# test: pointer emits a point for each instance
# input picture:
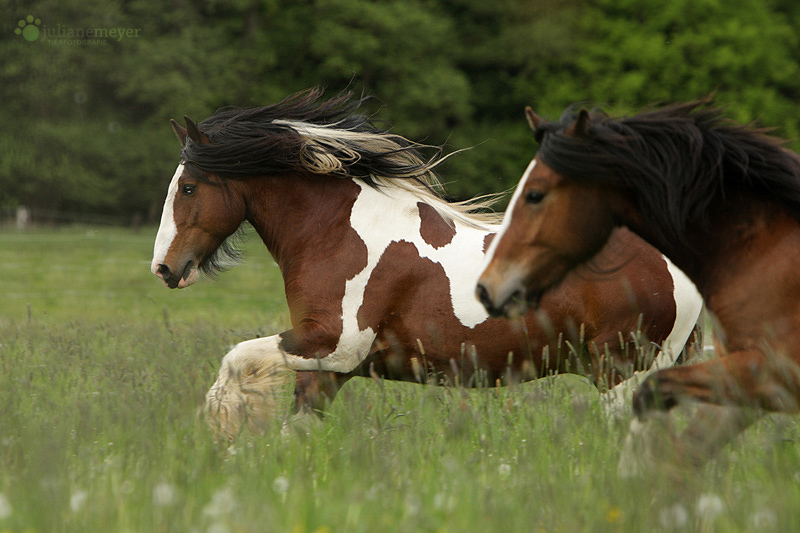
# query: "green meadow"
(103, 369)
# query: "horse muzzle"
(186, 277)
(510, 303)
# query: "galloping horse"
(379, 270)
(720, 199)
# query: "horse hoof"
(644, 399)
(652, 396)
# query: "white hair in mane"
(329, 149)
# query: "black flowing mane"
(306, 133)
(678, 160)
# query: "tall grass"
(102, 371)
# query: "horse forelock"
(677, 160)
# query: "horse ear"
(179, 132)
(533, 119)
(194, 132)
(581, 126)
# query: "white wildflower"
(163, 494)
(218, 527)
(673, 517)
(504, 470)
(709, 506)
(78, 500)
(764, 519)
(280, 485)
(5, 507)
(413, 505)
(223, 502)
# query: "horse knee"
(249, 390)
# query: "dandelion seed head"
(504, 470)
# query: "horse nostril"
(163, 271)
(482, 293)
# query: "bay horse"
(721, 200)
(379, 270)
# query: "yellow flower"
(613, 515)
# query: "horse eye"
(534, 197)
(188, 189)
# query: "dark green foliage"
(85, 126)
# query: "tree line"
(86, 118)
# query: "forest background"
(85, 119)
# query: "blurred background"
(85, 135)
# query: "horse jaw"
(189, 279)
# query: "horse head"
(201, 211)
(551, 225)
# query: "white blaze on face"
(167, 230)
(507, 216)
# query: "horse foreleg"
(652, 444)
(733, 388)
(647, 444)
(250, 387)
(315, 390)
(744, 378)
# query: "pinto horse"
(721, 200)
(379, 270)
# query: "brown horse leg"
(652, 445)
(711, 428)
(744, 378)
(314, 390)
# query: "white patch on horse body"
(688, 306)
(381, 217)
(167, 229)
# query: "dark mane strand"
(279, 138)
(679, 160)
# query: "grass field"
(103, 370)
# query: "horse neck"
(730, 244)
(298, 215)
